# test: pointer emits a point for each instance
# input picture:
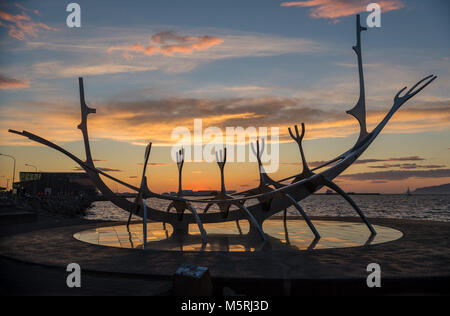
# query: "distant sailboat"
(408, 192)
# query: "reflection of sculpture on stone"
(273, 196)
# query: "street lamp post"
(14, 169)
(7, 182)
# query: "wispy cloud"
(21, 26)
(109, 169)
(169, 43)
(334, 9)
(118, 50)
(407, 166)
(7, 83)
(173, 53)
(60, 70)
(100, 168)
(154, 164)
(398, 174)
(371, 160)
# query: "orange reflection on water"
(294, 234)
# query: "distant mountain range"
(437, 189)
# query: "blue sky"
(284, 64)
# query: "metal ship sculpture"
(273, 196)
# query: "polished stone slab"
(293, 234)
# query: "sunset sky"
(152, 66)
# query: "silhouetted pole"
(14, 169)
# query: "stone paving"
(423, 252)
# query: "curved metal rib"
(237, 224)
(90, 170)
(254, 221)
(286, 233)
(300, 209)
(338, 190)
(171, 205)
(144, 219)
(139, 200)
(199, 222)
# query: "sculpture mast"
(359, 110)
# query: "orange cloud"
(21, 25)
(333, 9)
(10, 83)
(138, 121)
(57, 69)
(168, 43)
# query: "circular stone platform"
(294, 234)
(422, 252)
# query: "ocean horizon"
(432, 207)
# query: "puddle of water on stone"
(226, 236)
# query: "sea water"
(401, 206)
